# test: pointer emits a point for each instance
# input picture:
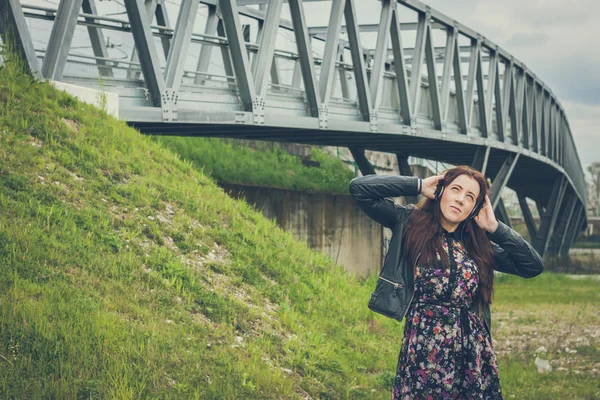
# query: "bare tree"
(594, 187)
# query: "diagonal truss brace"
(502, 178)
(144, 43)
(97, 39)
(61, 38)
(366, 168)
(405, 170)
(178, 51)
(13, 27)
(549, 217)
(528, 217)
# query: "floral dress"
(447, 351)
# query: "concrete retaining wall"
(331, 223)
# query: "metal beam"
(226, 57)
(358, 63)
(365, 28)
(60, 39)
(481, 98)
(97, 39)
(525, 112)
(305, 56)
(144, 43)
(361, 160)
(14, 30)
(548, 220)
(499, 108)
(264, 59)
(434, 93)
(471, 76)
(376, 82)
(400, 68)
(502, 214)
(451, 37)
(506, 90)
(162, 19)
(238, 53)
(461, 107)
(405, 170)
(502, 178)
(132, 72)
(481, 159)
(491, 89)
(512, 109)
(178, 52)
(573, 231)
(210, 28)
(558, 238)
(341, 72)
(330, 54)
(531, 227)
(415, 73)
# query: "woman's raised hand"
(429, 186)
(486, 218)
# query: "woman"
(441, 260)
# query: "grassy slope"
(126, 273)
(261, 166)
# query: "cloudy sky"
(557, 41)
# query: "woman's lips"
(455, 208)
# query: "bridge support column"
(363, 164)
(502, 213)
(481, 159)
(60, 40)
(13, 29)
(531, 227)
(549, 217)
(405, 170)
(502, 178)
(558, 238)
(573, 231)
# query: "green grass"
(128, 273)
(226, 161)
(555, 308)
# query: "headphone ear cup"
(438, 191)
(476, 210)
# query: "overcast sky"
(558, 41)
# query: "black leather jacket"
(373, 192)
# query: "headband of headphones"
(439, 190)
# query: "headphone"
(439, 190)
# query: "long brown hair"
(424, 234)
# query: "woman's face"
(458, 200)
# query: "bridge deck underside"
(532, 178)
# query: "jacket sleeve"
(514, 255)
(373, 194)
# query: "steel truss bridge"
(451, 95)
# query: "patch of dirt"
(71, 124)
(554, 334)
